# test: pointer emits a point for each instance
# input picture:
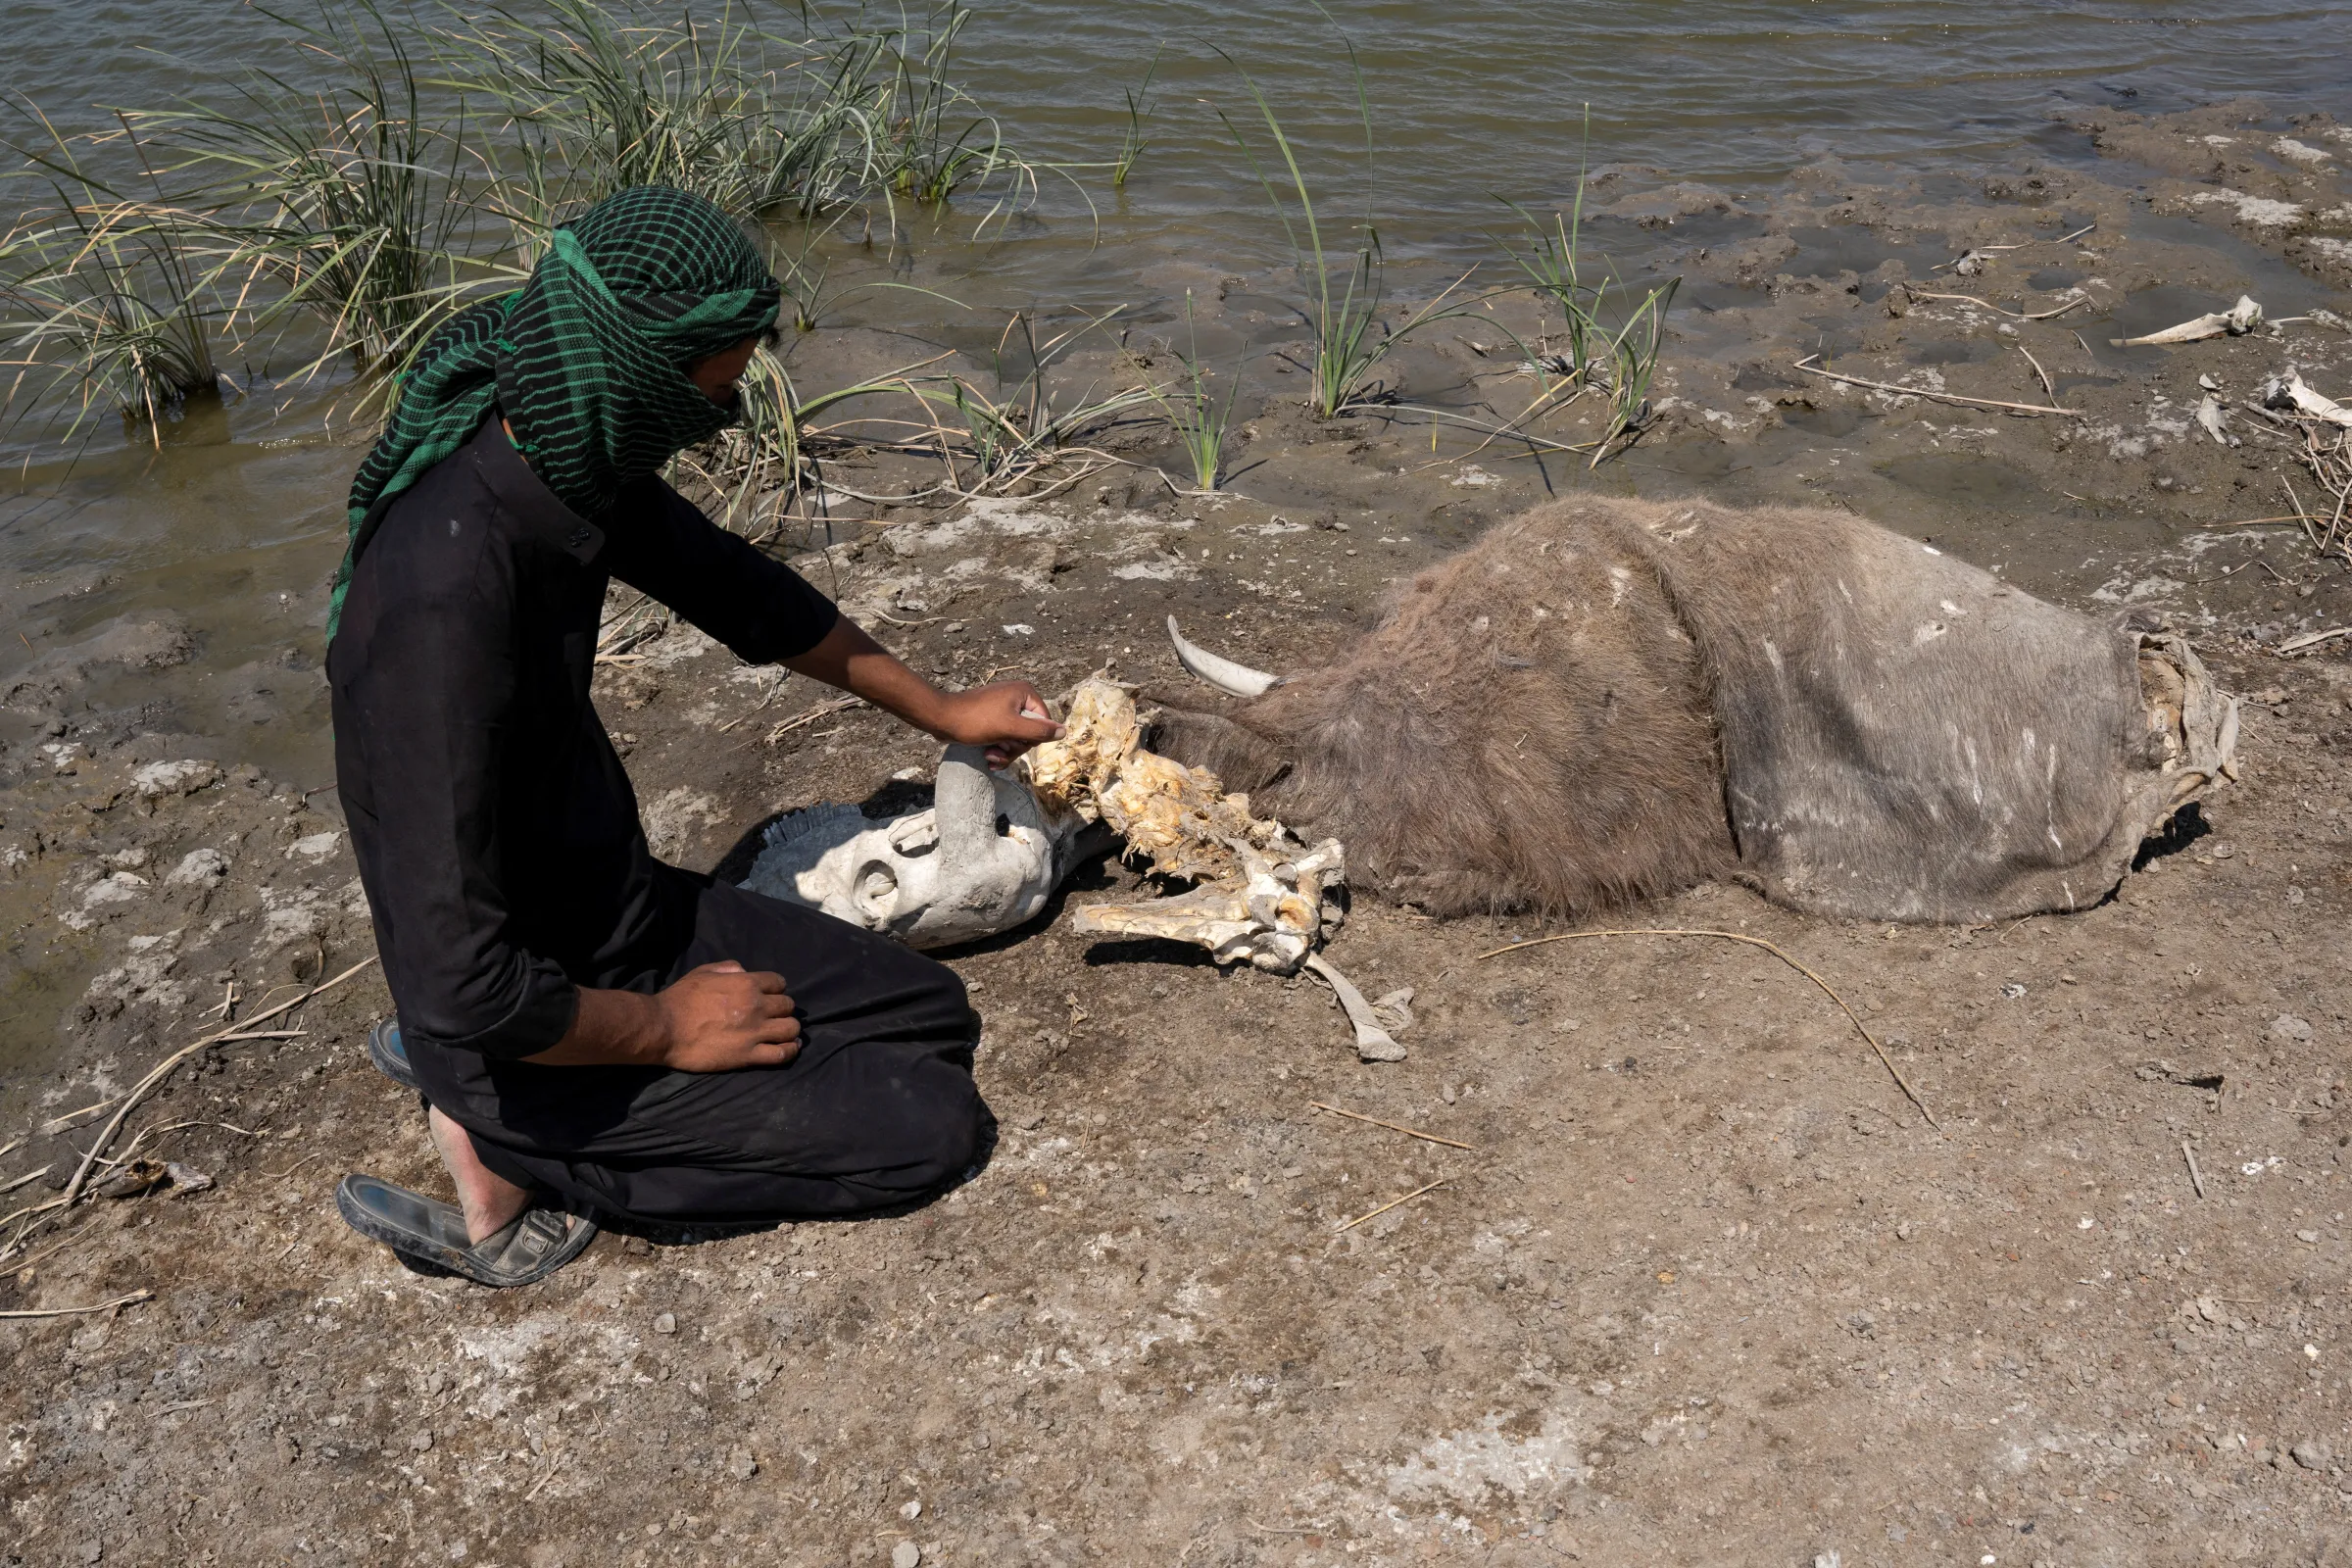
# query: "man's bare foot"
(490, 1201)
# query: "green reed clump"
(103, 309)
(1195, 416)
(1139, 110)
(1619, 361)
(1029, 424)
(753, 467)
(354, 215)
(97, 300)
(1634, 361)
(362, 211)
(940, 142)
(1348, 336)
(754, 121)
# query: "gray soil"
(1703, 1286)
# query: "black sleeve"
(762, 610)
(424, 683)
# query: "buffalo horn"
(966, 802)
(1234, 680)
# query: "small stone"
(636, 1246)
(186, 777)
(2311, 1455)
(912, 1508)
(421, 1441)
(906, 1554)
(666, 1323)
(2287, 1026)
(741, 1465)
(2308, 1238)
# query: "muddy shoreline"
(1705, 1287)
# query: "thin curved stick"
(1860, 1027)
(1807, 365)
(162, 1071)
(132, 1299)
(2015, 316)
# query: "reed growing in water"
(99, 302)
(334, 224)
(1195, 416)
(350, 219)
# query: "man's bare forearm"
(1006, 717)
(615, 1028)
(854, 661)
(713, 1018)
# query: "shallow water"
(1469, 102)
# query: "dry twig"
(2196, 1177)
(132, 1299)
(1391, 1203)
(2050, 390)
(800, 720)
(1805, 364)
(2019, 316)
(165, 1068)
(2311, 639)
(1394, 1127)
(1754, 942)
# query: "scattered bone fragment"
(2235, 322)
(2210, 419)
(2288, 392)
(133, 1179)
(1373, 1041)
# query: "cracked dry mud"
(1705, 1287)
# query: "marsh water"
(229, 519)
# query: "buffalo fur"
(1605, 699)
(1527, 726)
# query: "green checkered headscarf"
(587, 360)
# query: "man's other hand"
(722, 1016)
(712, 1019)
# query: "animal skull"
(983, 859)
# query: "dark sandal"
(426, 1231)
(389, 1054)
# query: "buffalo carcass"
(1606, 700)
